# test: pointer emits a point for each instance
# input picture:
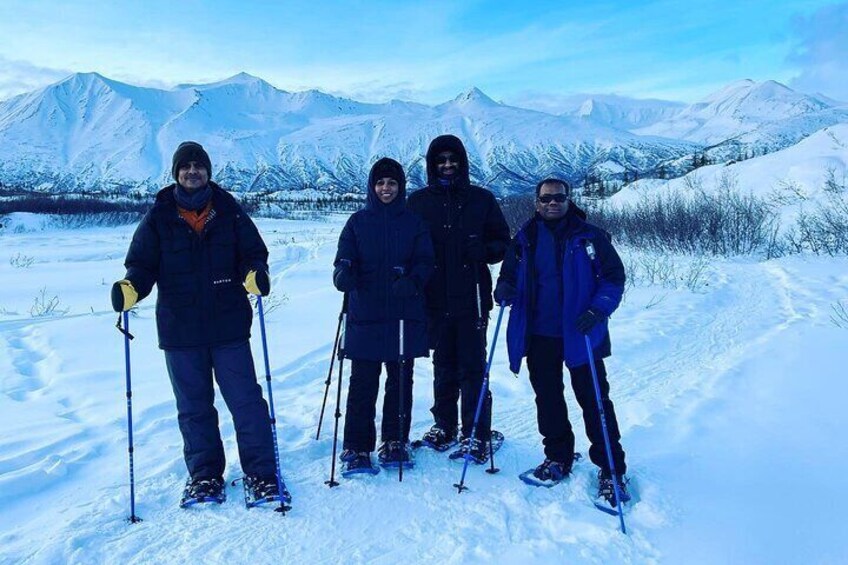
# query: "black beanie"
(190, 151)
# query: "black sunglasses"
(548, 198)
(443, 159)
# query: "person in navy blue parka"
(384, 259)
(563, 280)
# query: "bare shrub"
(271, 302)
(835, 183)
(667, 270)
(655, 300)
(695, 276)
(839, 316)
(788, 192)
(44, 306)
(725, 222)
(21, 261)
(824, 231)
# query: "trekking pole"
(401, 377)
(330, 370)
(461, 485)
(607, 443)
(280, 485)
(492, 469)
(401, 418)
(127, 337)
(341, 352)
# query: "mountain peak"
(474, 95)
(239, 79)
(84, 79)
(243, 78)
(84, 82)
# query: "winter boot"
(548, 474)
(392, 454)
(606, 490)
(348, 455)
(203, 490)
(262, 488)
(552, 471)
(359, 463)
(477, 450)
(438, 439)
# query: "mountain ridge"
(91, 133)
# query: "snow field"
(728, 397)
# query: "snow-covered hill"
(755, 113)
(88, 132)
(620, 112)
(792, 178)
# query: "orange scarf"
(196, 219)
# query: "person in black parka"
(205, 254)
(384, 259)
(469, 233)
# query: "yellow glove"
(124, 296)
(258, 283)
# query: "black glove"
(475, 250)
(505, 293)
(263, 282)
(404, 287)
(588, 320)
(343, 277)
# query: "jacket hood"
(386, 167)
(447, 143)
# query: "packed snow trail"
(727, 398)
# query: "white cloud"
(820, 51)
(17, 77)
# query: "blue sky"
(532, 53)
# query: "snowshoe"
(393, 454)
(605, 500)
(358, 463)
(264, 490)
(436, 439)
(203, 490)
(548, 474)
(477, 450)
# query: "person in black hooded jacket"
(205, 255)
(384, 259)
(469, 233)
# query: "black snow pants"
(191, 371)
(545, 362)
(360, 431)
(458, 365)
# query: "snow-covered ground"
(730, 393)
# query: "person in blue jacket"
(384, 259)
(205, 254)
(563, 280)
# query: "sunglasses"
(548, 198)
(445, 159)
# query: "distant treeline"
(724, 222)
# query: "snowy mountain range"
(88, 133)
